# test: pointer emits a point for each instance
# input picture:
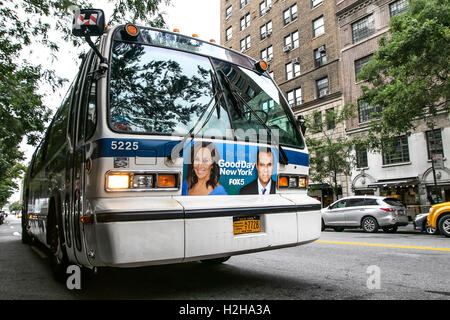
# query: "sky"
(189, 16)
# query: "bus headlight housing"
(142, 181)
(117, 181)
(292, 181)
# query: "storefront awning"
(394, 182)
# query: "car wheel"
(369, 224)
(429, 229)
(444, 225)
(323, 225)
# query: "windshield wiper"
(175, 153)
(237, 96)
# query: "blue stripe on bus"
(105, 148)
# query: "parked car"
(366, 212)
(421, 224)
(439, 218)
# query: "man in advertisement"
(264, 184)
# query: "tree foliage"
(25, 26)
(408, 75)
(332, 153)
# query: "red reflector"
(87, 219)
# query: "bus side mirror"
(301, 124)
(88, 22)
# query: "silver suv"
(366, 212)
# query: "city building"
(406, 172)
(315, 48)
(299, 40)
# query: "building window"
(265, 7)
(320, 56)
(245, 21)
(228, 12)
(318, 27)
(363, 28)
(434, 142)
(315, 3)
(317, 121)
(294, 97)
(290, 14)
(330, 119)
(267, 54)
(291, 41)
(366, 111)
(398, 7)
(322, 87)
(361, 157)
(266, 30)
(244, 3)
(360, 63)
(292, 69)
(245, 44)
(229, 33)
(398, 152)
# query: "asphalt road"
(345, 265)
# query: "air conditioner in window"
(296, 61)
(287, 48)
(321, 49)
(269, 33)
(263, 35)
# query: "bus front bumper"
(171, 230)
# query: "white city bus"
(167, 149)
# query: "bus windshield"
(156, 90)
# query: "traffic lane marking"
(383, 245)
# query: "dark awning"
(394, 182)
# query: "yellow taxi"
(439, 218)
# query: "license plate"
(246, 224)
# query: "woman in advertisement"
(203, 171)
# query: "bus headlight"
(117, 181)
(141, 181)
(292, 182)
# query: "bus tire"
(26, 238)
(215, 261)
(58, 256)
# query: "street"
(341, 265)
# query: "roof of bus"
(112, 29)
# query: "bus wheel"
(215, 261)
(26, 238)
(58, 256)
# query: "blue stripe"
(103, 148)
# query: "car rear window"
(355, 202)
(393, 202)
(370, 202)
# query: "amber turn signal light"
(167, 181)
(283, 181)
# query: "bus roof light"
(195, 35)
(176, 30)
(261, 66)
(132, 30)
